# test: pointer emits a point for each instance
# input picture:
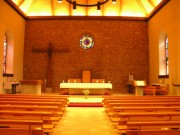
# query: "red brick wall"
(120, 48)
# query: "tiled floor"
(85, 120)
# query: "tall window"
(163, 56)
(167, 57)
(8, 51)
(5, 54)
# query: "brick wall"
(121, 48)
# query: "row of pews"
(22, 114)
(144, 115)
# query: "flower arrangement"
(86, 92)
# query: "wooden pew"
(21, 127)
(61, 101)
(146, 108)
(31, 96)
(36, 98)
(115, 106)
(142, 104)
(112, 98)
(31, 108)
(48, 118)
(139, 101)
(117, 110)
(123, 118)
(154, 132)
(59, 104)
(138, 97)
(153, 128)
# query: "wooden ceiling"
(52, 8)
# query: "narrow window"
(5, 54)
(163, 56)
(8, 46)
(167, 58)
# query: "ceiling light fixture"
(74, 5)
(114, 1)
(60, 1)
(98, 4)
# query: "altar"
(77, 88)
(31, 87)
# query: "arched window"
(5, 54)
(163, 56)
(8, 51)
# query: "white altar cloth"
(86, 85)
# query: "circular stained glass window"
(86, 42)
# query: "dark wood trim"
(163, 76)
(7, 75)
(159, 7)
(16, 8)
(87, 18)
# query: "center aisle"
(85, 121)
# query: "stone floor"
(85, 120)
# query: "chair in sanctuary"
(150, 90)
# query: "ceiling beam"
(142, 7)
(20, 3)
(52, 7)
(152, 3)
(120, 7)
(31, 5)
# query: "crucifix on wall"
(50, 50)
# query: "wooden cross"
(49, 50)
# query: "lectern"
(139, 86)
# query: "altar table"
(77, 88)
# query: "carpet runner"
(85, 104)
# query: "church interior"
(70, 64)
